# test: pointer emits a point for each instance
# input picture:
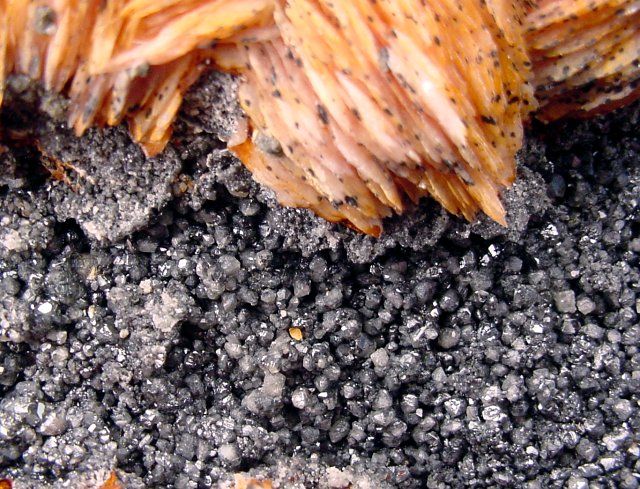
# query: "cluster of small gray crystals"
(157, 339)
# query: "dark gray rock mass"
(442, 355)
(105, 183)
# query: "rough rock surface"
(443, 355)
(106, 185)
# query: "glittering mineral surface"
(146, 310)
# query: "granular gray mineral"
(219, 334)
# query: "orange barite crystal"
(358, 108)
